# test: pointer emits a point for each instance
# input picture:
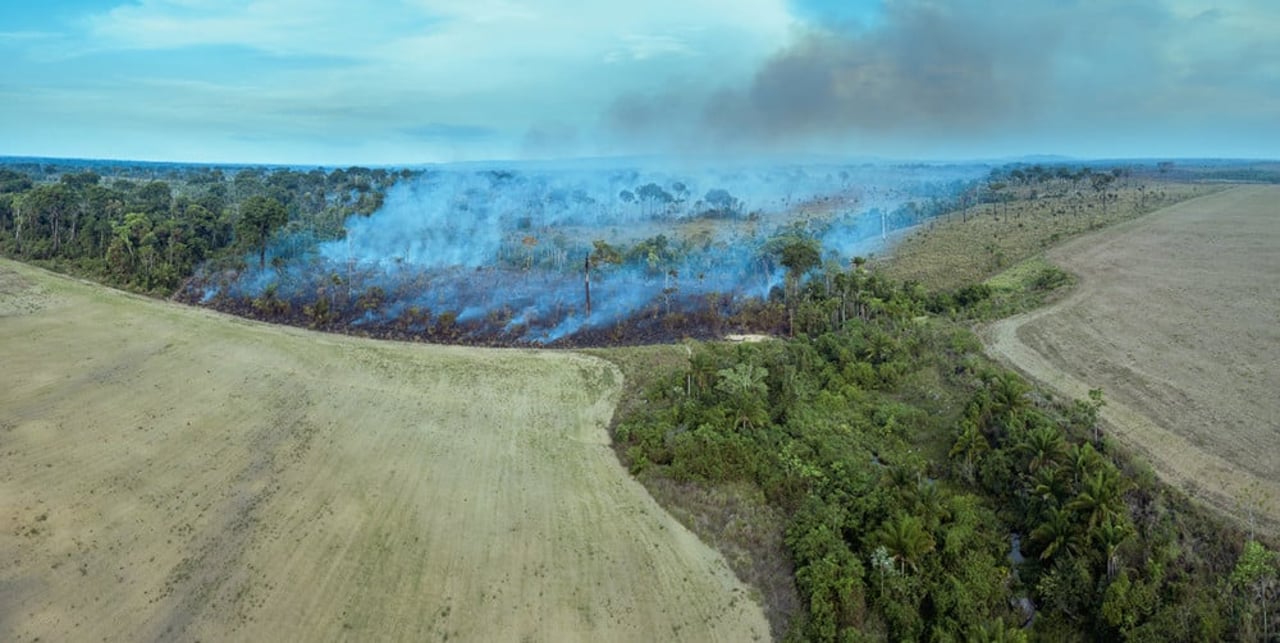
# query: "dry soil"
(1177, 319)
(168, 473)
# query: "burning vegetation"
(580, 257)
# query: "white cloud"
(285, 27)
(503, 64)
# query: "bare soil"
(1177, 319)
(173, 473)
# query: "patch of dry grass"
(971, 245)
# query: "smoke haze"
(966, 78)
(501, 249)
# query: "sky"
(327, 82)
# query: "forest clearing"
(1175, 318)
(174, 473)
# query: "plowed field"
(1177, 319)
(172, 473)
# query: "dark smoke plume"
(928, 70)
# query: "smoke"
(927, 71)
(499, 251)
(967, 78)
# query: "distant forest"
(148, 227)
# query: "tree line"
(150, 234)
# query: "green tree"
(44, 209)
(1056, 534)
(906, 539)
(1257, 578)
(799, 255)
(604, 253)
(745, 391)
(1099, 498)
(131, 254)
(154, 199)
(1127, 602)
(1044, 446)
(1008, 393)
(259, 217)
(1082, 459)
(1049, 486)
(997, 632)
(969, 447)
(1109, 535)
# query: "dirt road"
(1177, 319)
(171, 473)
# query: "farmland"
(172, 473)
(1175, 318)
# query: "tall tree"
(1043, 446)
(744, 387)
(259, 217)
(799, 256)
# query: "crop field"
(171, 473)
(1176, 319)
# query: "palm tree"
(1008, 393)
(1110, 535)
(1049, 486)
(997, 632)
(1045, 445)
(1057, 533)
(969, 446)
(1099, 498)
(744, 386)
(931, 504)
(906, 539)
(1083, 459)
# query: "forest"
(921, 492)
(148, 228)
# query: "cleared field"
(972, 245)
(1177, 318)
(171, 473)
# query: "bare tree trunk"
(586, 272)
(18, 220)
(57, 222)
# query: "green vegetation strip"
(896, 471)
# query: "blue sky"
(414, 81)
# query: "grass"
(975, 244)
(641, 367)
(1025, 286)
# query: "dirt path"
(168, 473)
(1177, 318)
